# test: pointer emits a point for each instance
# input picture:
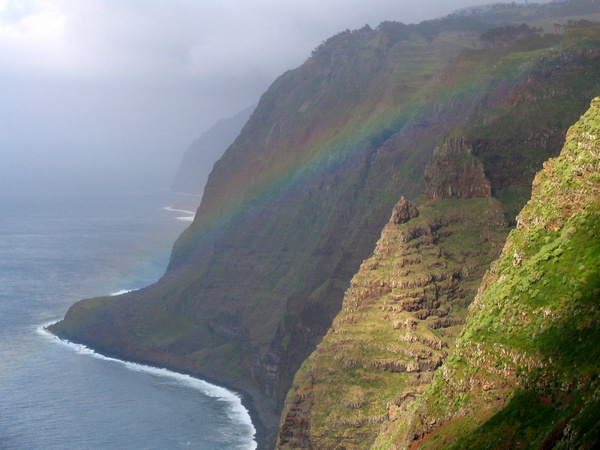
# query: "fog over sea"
(57, 248)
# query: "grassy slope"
(349, 366)
(398, 321)
(525, 371)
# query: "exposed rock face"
(528, 362)
(454, 172)
(403, 211)
(399, 320)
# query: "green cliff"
(398, 322)
(524, 371)
(530, 340)
(402, 313)
(299, 200)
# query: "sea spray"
(189, 218)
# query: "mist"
(110, 93)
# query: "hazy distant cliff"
(198, 160)
(299, 200)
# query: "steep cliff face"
(298, 201)
(454, 172)
(524, 372)
(398, 322)
(405, 307)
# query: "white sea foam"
(236, 409)
(187, 211)
(186, 218)
(189, 218)
(122, 291)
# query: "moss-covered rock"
(524, 371)
(398, 322)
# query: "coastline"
(256, 405)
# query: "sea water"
(57, 248)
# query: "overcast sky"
(97, 87)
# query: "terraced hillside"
(524, 371)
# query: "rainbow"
(320, 141)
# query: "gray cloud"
(120, 87)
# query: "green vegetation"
(529, 348)
(398, 320)
(372, 360)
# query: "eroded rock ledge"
(524, 372)
(399, 320)
(454, 172)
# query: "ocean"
(55, 249)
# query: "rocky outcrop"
(403, 211)
(399, 320)
(454, 172)
(527, 362)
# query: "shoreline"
(255, 404)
